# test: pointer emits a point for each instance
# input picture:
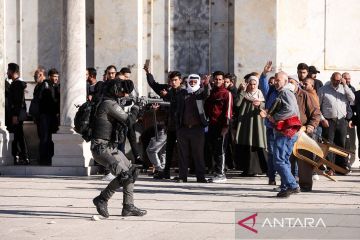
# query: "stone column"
(159, 40)
(5, 152)
(70, 149)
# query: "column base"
(5, 148)
(70, 150)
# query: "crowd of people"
(214, 123)
(253, 128)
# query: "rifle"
(141, 101)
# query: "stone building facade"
(200, 36)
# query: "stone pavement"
(61, 207)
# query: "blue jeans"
(271, 173)
(283, 146)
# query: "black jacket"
(356, 109)
(317, 84)
(170, 97)
(7, 105)
(200, 96)
(16, 100)
(49, 97)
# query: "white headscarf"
(255, 94)
(193, 89)
(290, 86)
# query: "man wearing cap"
(309, 117)
(312, 74)
(190, 124)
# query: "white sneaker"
(218, 179)
(277, 189)
(108, 177)
(316, 177)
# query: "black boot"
(101, 206)
(158, 175)
(166, 174)
(24, 161)
(131, 210)
(16, 160)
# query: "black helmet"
(127, 86)
(116, 86)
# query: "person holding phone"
(168, 92)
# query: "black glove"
(135, 110)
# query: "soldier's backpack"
(84, 119)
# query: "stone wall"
(320, 33)
(255, 33)
(190, 36)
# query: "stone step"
(47, 170)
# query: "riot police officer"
(108, 130)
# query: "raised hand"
(343, 81)
(206, 79)
(146, 68)
(242, 86)
(268, 67)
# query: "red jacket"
(218, 107)
(289, 127)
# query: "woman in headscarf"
(250, 133)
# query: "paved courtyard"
(61, 207)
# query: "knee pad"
(129, 176)
(134, 171)
(124, 178)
